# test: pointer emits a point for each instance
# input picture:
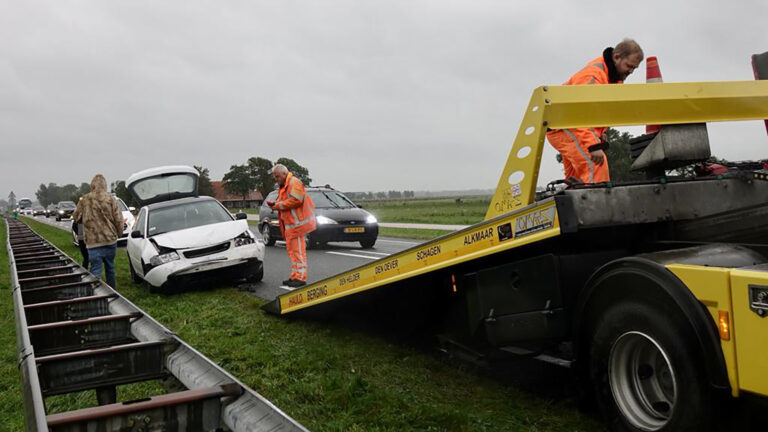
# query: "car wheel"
(256, 276)
(134, 276)
(368, 243)
(266, 236)
(58, 219)
(646, 376)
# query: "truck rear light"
(724, 325)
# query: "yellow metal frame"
(563, 107)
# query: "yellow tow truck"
(655, 292)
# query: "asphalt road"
(327, 261)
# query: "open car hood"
(201, 236)
(162, 184)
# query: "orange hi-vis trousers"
(576, 158)
(297, 251)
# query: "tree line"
(240, 180)
(393, 194)
(53, 193)
(255, 175)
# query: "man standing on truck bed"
(294, 206)
(582, 149)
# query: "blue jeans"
(105, 254)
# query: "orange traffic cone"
(652, 75)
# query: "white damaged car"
(179, 237)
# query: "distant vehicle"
(51, 210)
(38, 211)
(338, 220)
(25, 203)
(179, 237)
(64, 209)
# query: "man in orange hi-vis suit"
(297, 220)
(582, 149)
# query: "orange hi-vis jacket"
(595, 72)
(295, 209)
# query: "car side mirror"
(136, 234)
(241, 216)
(360, 206)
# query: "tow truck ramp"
(514, 217)
(76, 333)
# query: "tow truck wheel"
(647, 372)
(268, 240)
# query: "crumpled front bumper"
(235, 262)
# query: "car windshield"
(185, 216)
(330, 199)
(67, 205)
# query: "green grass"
(328, 377)
(469, 211)
(11, 411)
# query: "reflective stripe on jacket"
(295, 208)
(595, 72)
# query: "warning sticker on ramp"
(534, 221)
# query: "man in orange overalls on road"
(582, 149)
(297, 220)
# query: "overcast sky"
(368, 95)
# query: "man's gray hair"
(279, 168)
(628, 47)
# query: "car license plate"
(354, 229)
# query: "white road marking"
(287, 288)
(369, 252)
(397, 241)
(353, 255)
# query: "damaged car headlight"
(244, 239)
(163, 259)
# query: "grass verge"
(458, 211)
(11, 408)
(333, 378)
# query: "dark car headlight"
(324, 220)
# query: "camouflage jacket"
(99, 214)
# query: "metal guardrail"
(76, 333)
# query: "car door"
(266, 213)
(135, 246)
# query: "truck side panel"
(712, 287)
(750, 326)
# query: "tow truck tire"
(266, 236)
(647, 370)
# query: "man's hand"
(597, 156)
(271, 204)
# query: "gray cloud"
(368, 95)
